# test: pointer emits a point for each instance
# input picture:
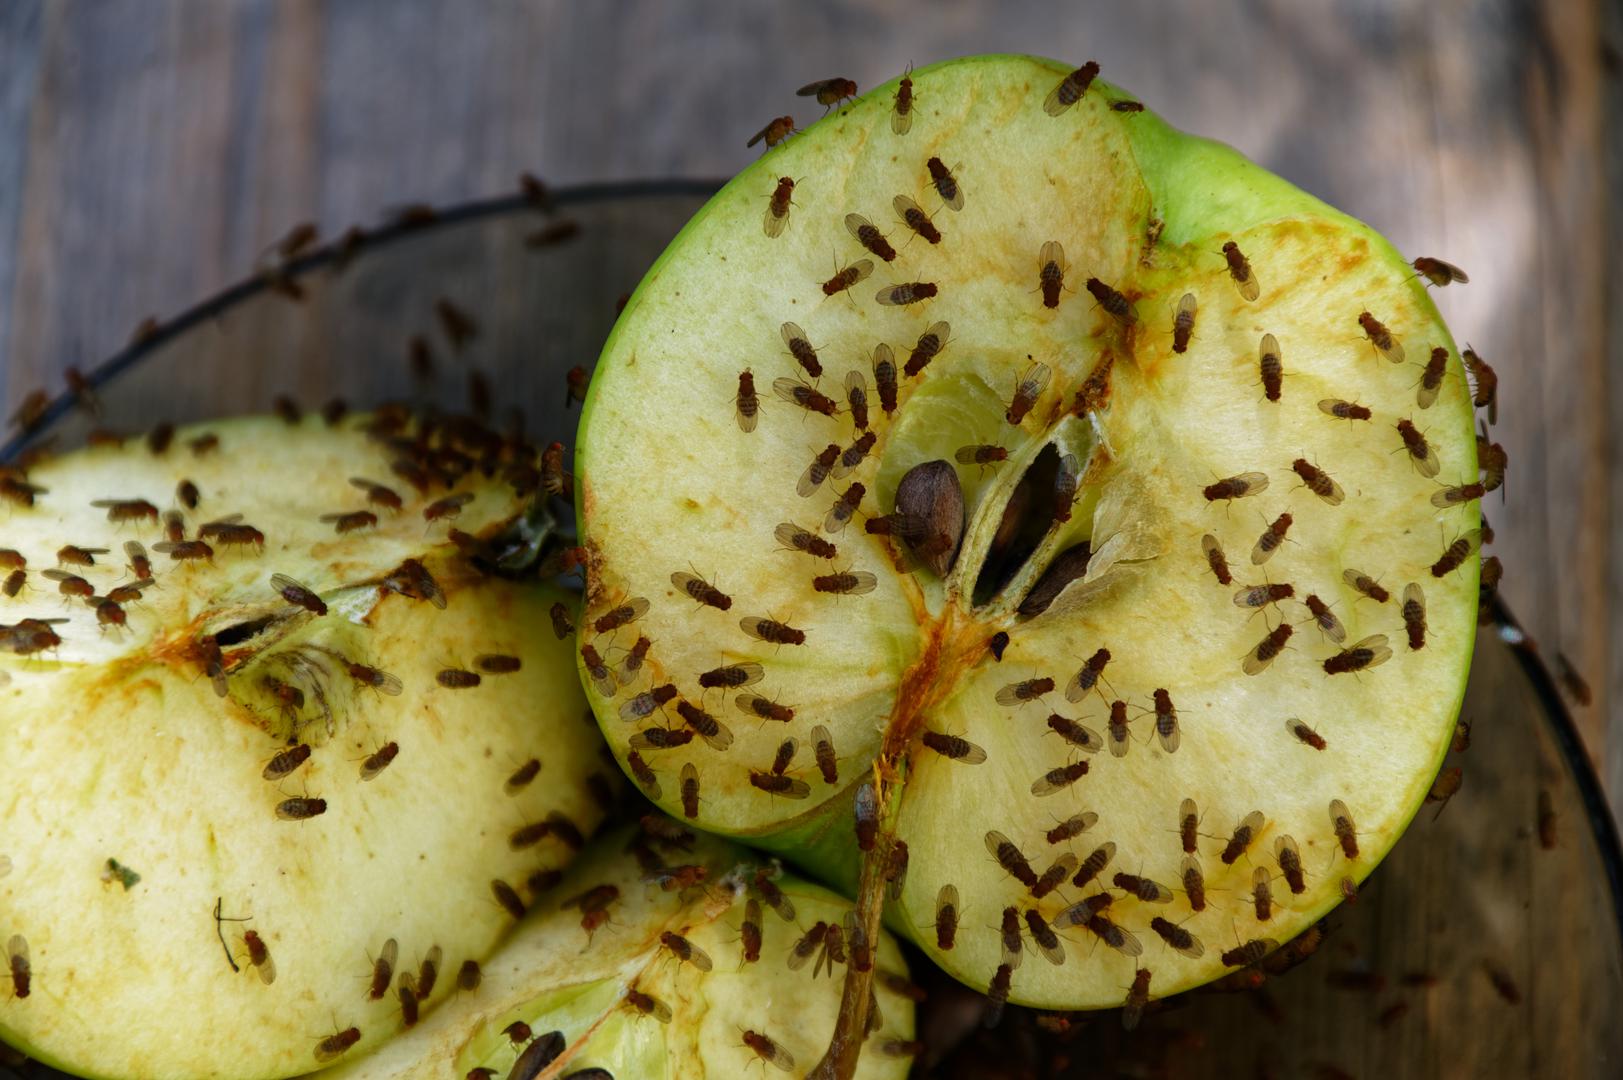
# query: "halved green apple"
(224, 798)
(662, 954)
(1127, 352)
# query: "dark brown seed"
(1067, 567)
(930, 493)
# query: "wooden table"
(150, 150)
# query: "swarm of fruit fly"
(664, 951)
(278, 725)
(1122, 532)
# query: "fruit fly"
(259, 957)
(983, 454)
(298, 595)
(953, 747)
(1058, 779)
(1271, 366)
(1166, 721)
(1070, 89)
(1364, 584)
(122, 510)
(928, 346)
(1142, 888)
(1262, 893)
(1066, 478)
(1183, 323)
(1367, 653)
(1026, 392)
(807, 945)
(856, 396)
(1194, 883)
(648, 1005)
(1414, 615)
(377, 494)
(747, 402)
(1051, 272)
(1072, 827)
(806, 397)
(946, 185)
(857, 452)
(1270, 540)
(947, 910)
(1116, 729)
(1343, 410)
(1258, 659)
(701, 590)
(907, 293)
(1236, 487)
(1445, 787)
(766, 1048)
(381, 681)
(1126, 106)
(794, 338)
(914, 218)
(335, 1046)
(1380, 337)
(644, 774)
(731, 676)
(1458, 495)
(1438, 272)
(598, 669)
(1094, 865)
(1078, 735)
(829, 92)
(1304, 733)
(840, 514)
(1485, 395)
(622, 615)
(497, 663)
(1431, 379)
(1258, 596)
(1452, 558)
(684, 950)
(448, 507)
(1019, 693)
(777, 207)
(777, 129)
(379, 760)
(349, 522)
(1245, 832)
(901, 117)
(286, 761)
(1318, 481)
(14, 582)
(457, 678)
(716, 734)
(1114, 303)
(71, 585)
(1240, 270)
(1013, 944)
(1218, 561)
(690, 791)
(1010, 858)
(847, 276)
(21, 968)
(1346, 832)
(1176, 937)
(1188, 822)
(1043, 936)
(383, 970)
(869, 236)
(1250, 952)
(849, 583)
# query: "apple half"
(305, 732)
(1090, 507)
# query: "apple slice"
(224, 798)
(662, 953)
(1072, 491)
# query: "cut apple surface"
(317, 741)
(1107, 547)
(662, 954)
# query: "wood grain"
(148, 153)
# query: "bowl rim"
(359, 241)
